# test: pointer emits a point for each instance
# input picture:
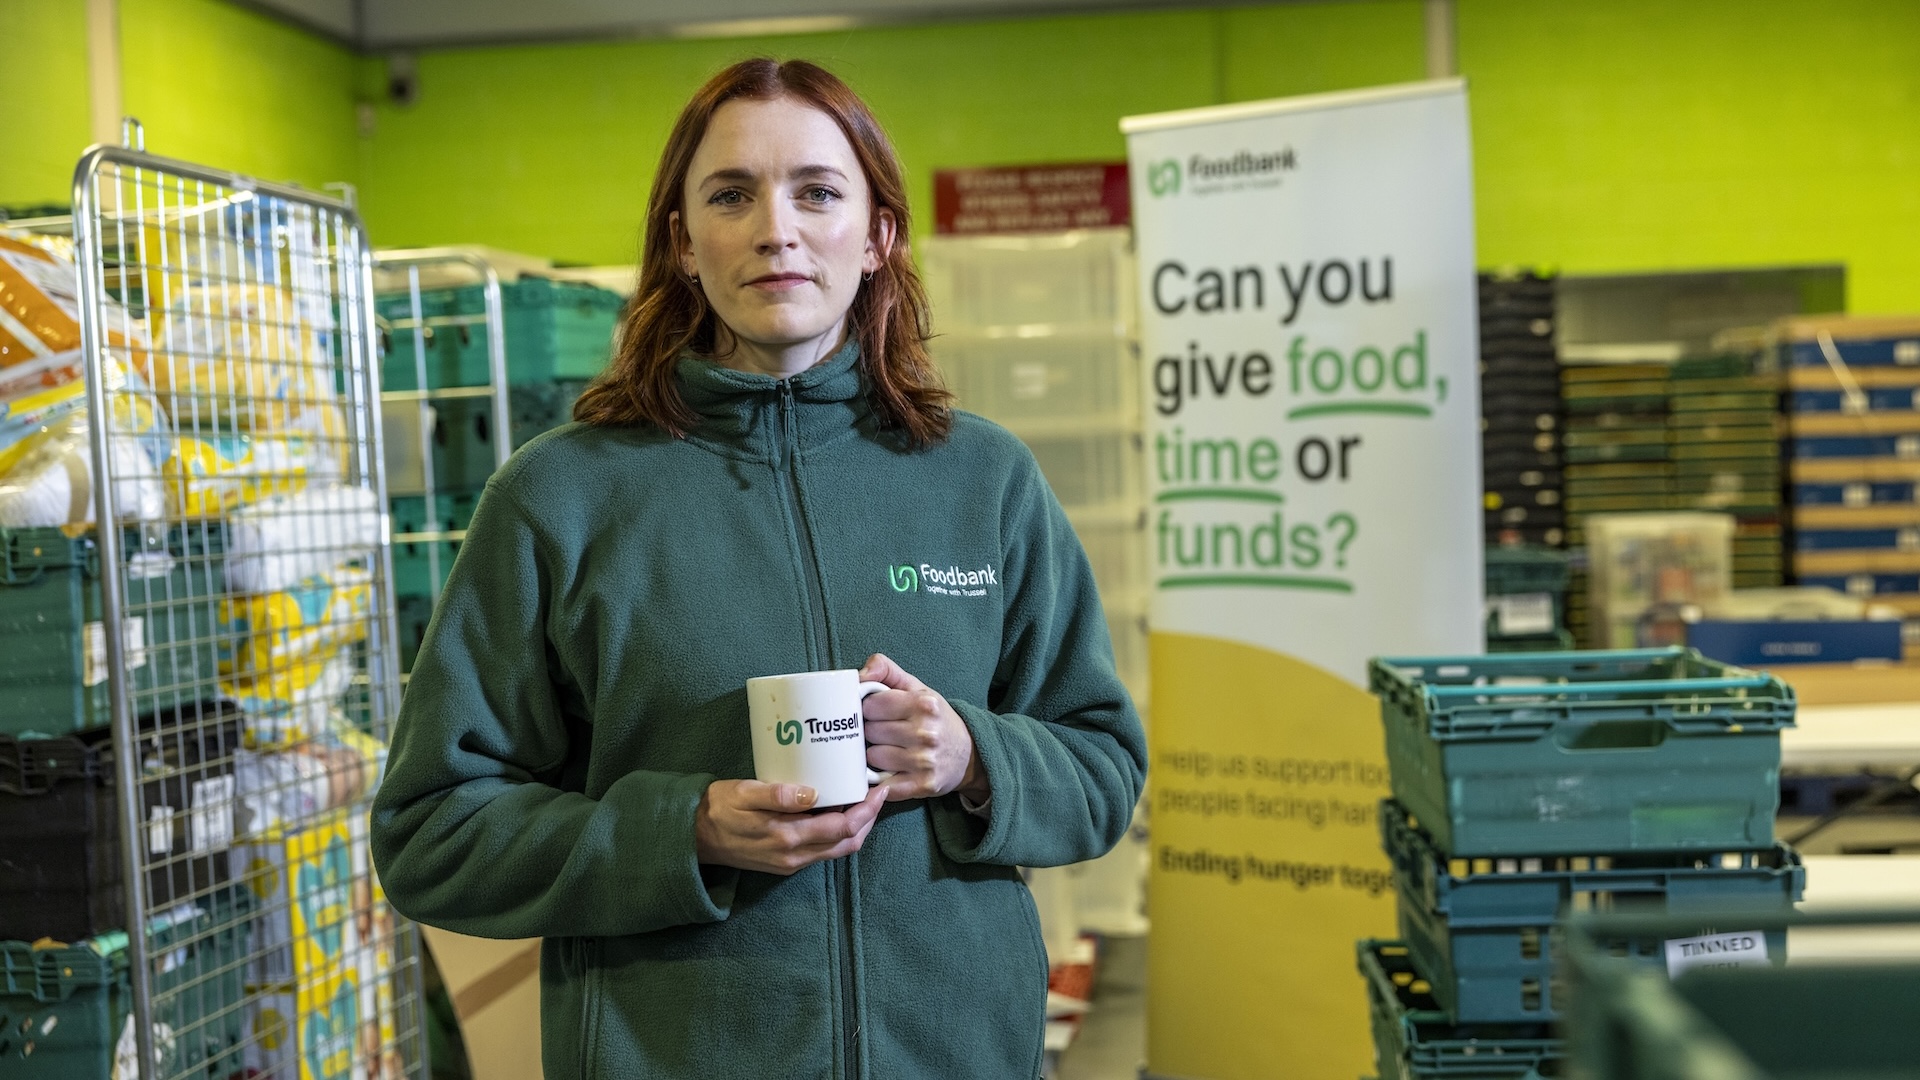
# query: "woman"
(739, 497)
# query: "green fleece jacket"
(583, 681)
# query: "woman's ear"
(879, 241)
(682, 245)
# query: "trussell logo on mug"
(808, 730)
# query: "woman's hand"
(916, 736)
(753, 825)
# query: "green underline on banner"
(1385, 408)
(1249, 494)
(1227, 580)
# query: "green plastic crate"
(63, 1010)
(1558, 641)
(1524, 575)
(54, 680)
(555, 330)
(1584, 753)
(1481, 929)
(1414, 1040)
(1824, 1019)
(463, 434)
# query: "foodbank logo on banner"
(1163, 177)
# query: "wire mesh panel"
(246, 623)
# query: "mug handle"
(867, 690)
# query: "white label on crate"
(1907, 446)
(1856, 495)
(1745, 948)
(94, 664)
(94, 667)
(1906, 353)
(160, 830)
(1527, 613)
(210, 825)
(136, 641)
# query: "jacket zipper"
(841, 870)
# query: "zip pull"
(789, 438)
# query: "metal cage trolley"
(246, 626)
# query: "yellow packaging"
(209, 475)
(265, 633)
(40, 306)
(316, 1024)
(238, 356)
(293, 703)
(303, 881)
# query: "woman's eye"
(727, 197)
(820, 194)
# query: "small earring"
(693, 279)
(868, 276)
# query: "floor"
(1113, 1036)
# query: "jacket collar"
(741, 412)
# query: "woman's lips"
(778, 282)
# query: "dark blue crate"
(1879, 399)
(1413, 1039)
(1480, 930)
(1905, 539)
(1896, 351)
(1772, 642)
(1906, 447)
(1875, 494)
(1866, 584)
(1584, 753)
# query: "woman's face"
(778, 225)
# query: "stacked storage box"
(558, 335)
(1725, 425)
(1853, 405)
(1520, 413)
(1618, 454)
(1529, 786)
(1526, 599)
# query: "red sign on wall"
(1034, 198)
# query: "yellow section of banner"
(1267, 775)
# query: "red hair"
(669, 315)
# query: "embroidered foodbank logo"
(788, 732)
(1241, 170)
(952, 581)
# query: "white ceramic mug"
(808, 729)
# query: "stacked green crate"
(557, 335)
(1520, 414)
(1725, 426)
(1526, 588)
(1618, 455)
(1527, 787)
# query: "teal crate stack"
(1725, 427)
(1530, 786)
(1853, 421)
(64, 1008)
(1526, 589)
(555, 331)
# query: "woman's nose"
(775, 227)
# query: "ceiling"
(387, 25)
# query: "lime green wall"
(43, 83)
(552, 148)
(1646, 134)
(224, 86)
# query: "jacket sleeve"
(1059, 738)
(474, 828)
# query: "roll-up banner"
(1310, 348)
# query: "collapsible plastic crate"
(1414, 1040)
(1523, 576)
(555, 330)
(1558, 641)
(61, 867)
(54, 678)
(65, 1009)
(1480, 929)
(1584, 753)
(1848, 1014)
